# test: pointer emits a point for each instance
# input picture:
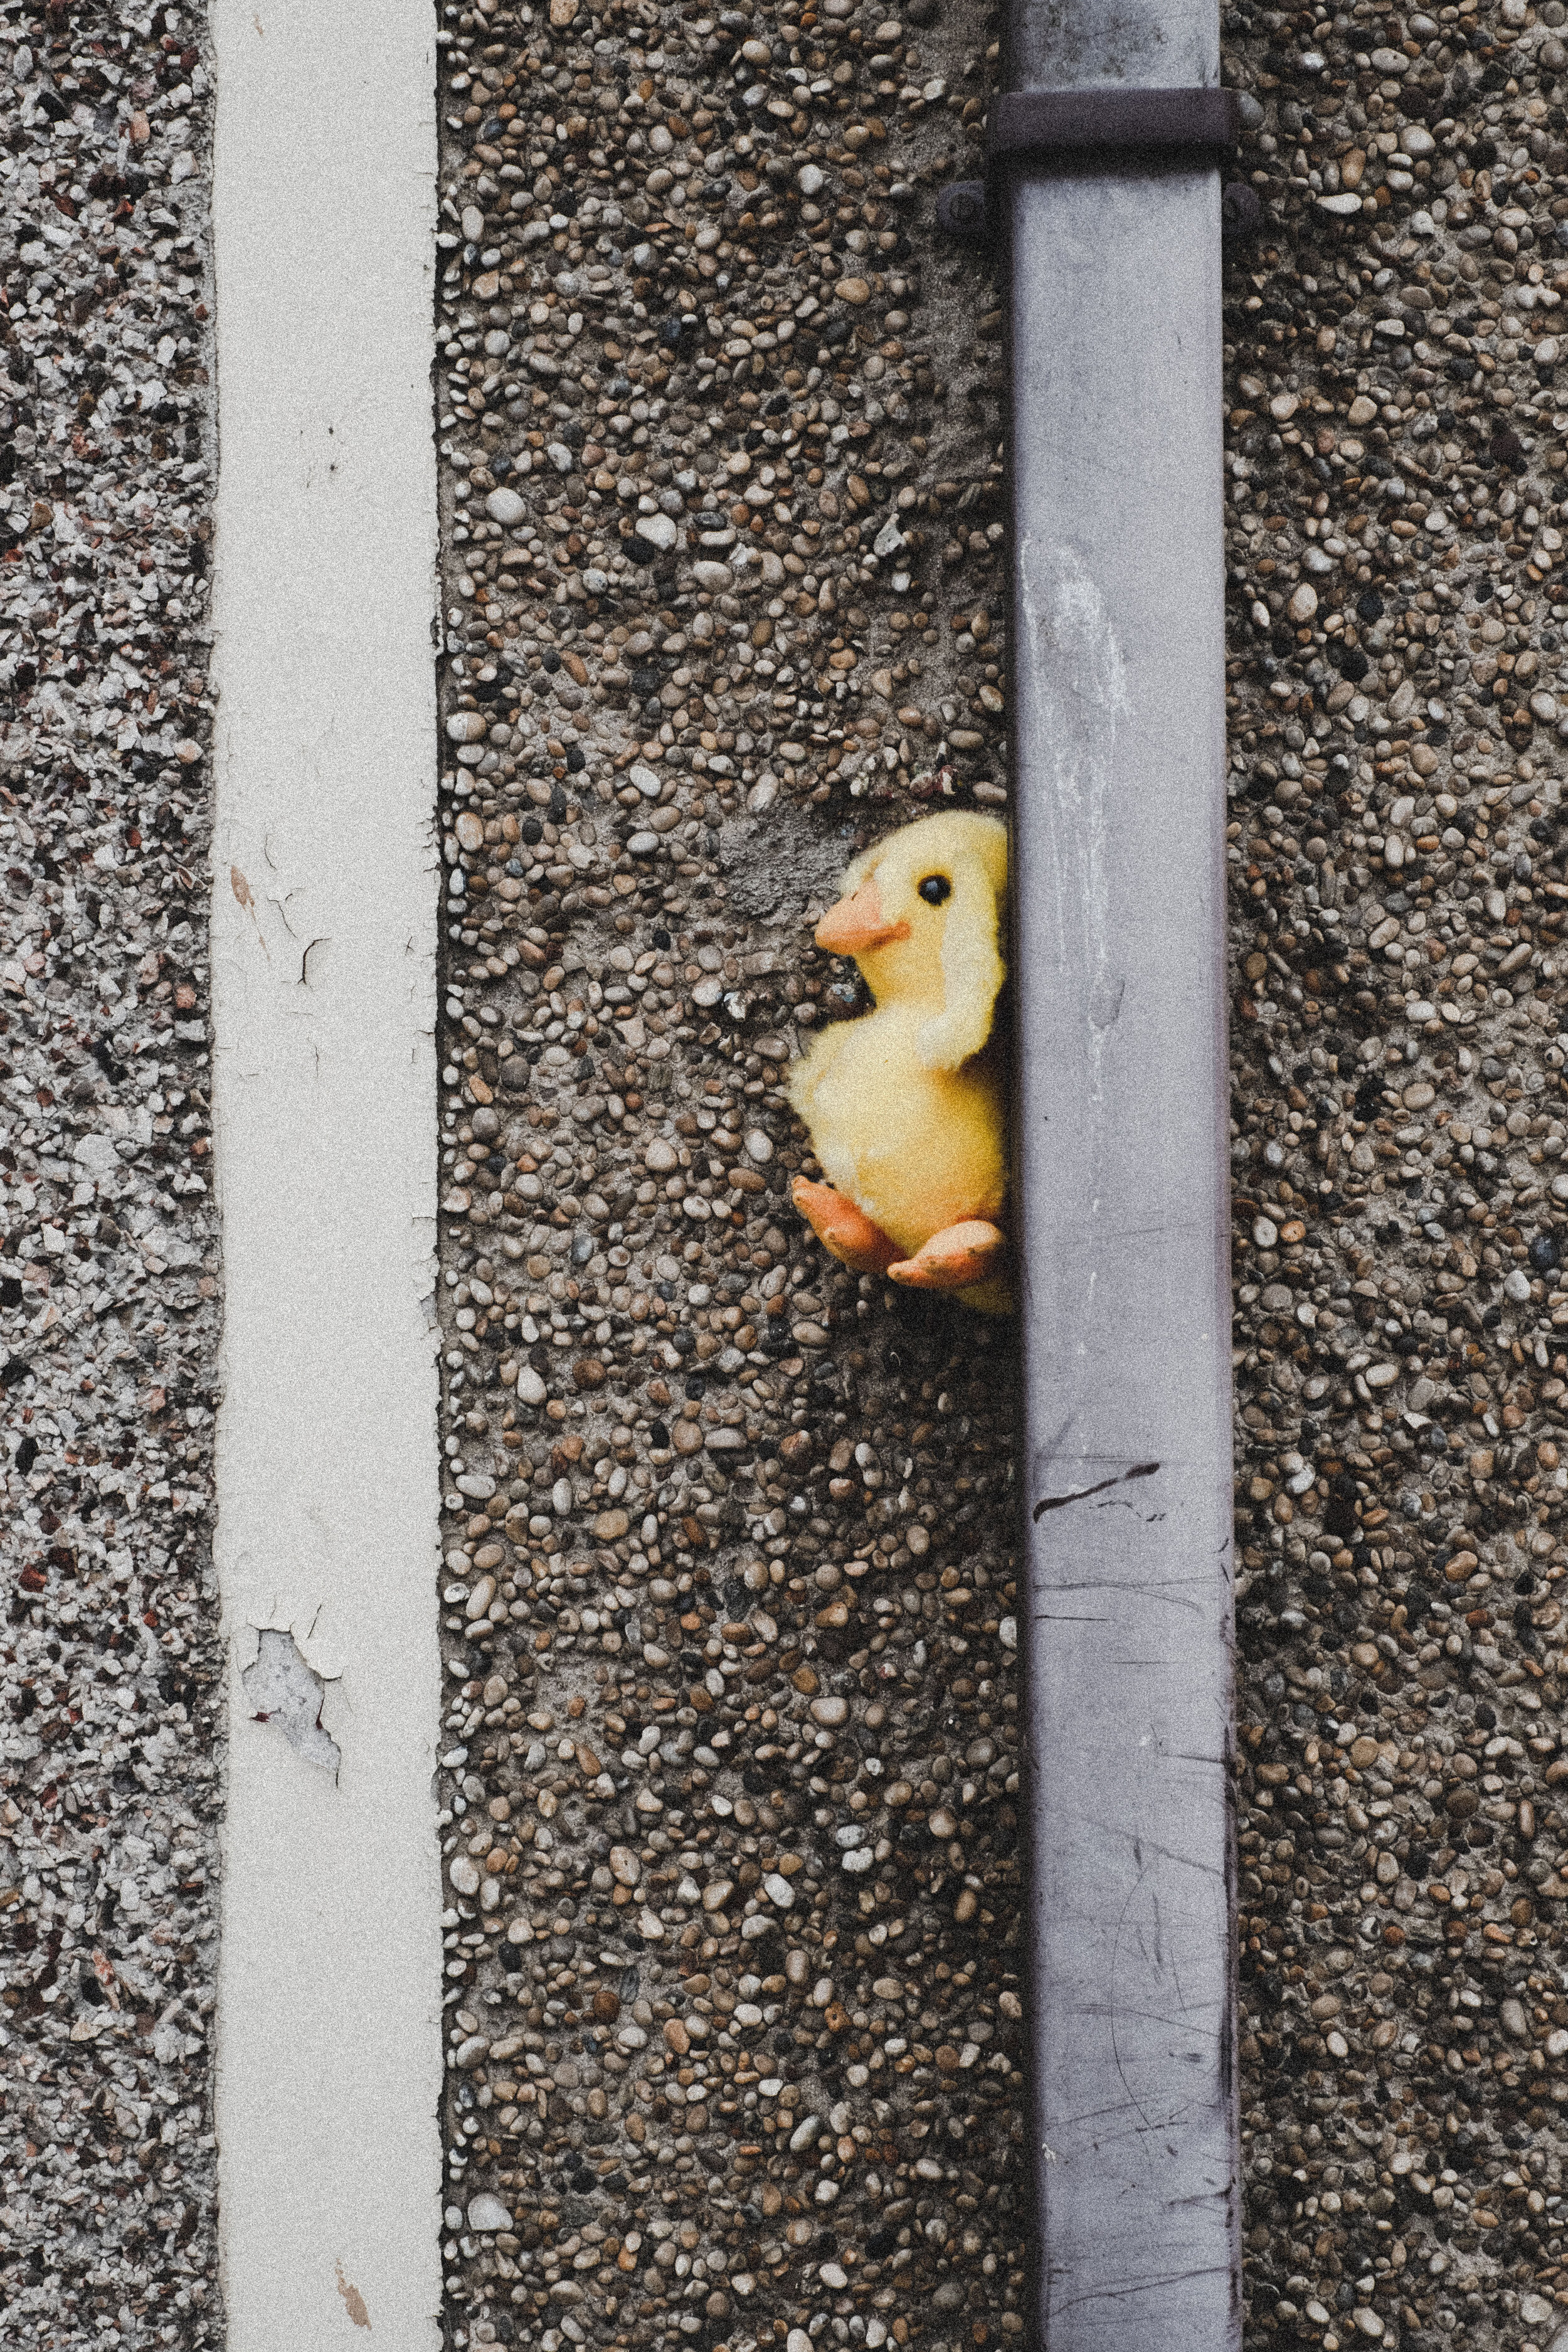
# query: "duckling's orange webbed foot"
(843, 1229)
(961, 1255)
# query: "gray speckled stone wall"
(109, 1290)
(748, 1623)
(1396, 456)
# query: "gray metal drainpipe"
(1117, 654)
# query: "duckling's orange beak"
(858, 923)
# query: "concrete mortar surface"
(1396, 457)
(109, 1271)
(730, 1827)
(723, 1614)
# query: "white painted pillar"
(325, 899)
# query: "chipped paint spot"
(247, 899)
(283, 1688)
(354, 2302)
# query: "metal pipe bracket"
(1109, 127)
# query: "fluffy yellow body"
(916, 1149)
(905, 1105)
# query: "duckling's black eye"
(935, 889)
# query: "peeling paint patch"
(1080, 684)
(282, 1688)
(354, 2302)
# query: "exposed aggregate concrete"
(108, 1277)
(1403, 1906)
(733, 2023)
(1396, 455)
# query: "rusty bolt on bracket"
(961, 211)
(1240, 215)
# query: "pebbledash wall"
(734, 2027)
(1396, 460)
(109, 1279)
(736, 1549)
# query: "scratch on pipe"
(1082, 1494)
(305, 960)
(1167, 1853)
(1166, 1588)
(1150, 2286)
(1134, 1892)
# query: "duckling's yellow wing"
(807, 1075)
(916, 1149)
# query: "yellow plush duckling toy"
(905, 1104)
